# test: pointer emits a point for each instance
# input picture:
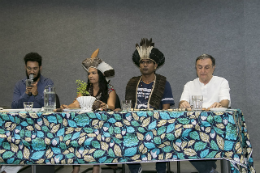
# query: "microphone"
(29, 83)
(31, 76)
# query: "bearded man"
(34, 91)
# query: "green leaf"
(200, 146)
(82, 87)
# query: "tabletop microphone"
(29, 83)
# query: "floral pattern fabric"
(125, 137)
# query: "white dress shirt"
(215, 91)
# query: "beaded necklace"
(148, 102)
(141, 83)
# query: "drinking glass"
(28, 106)
(197, 101)
(126, 105)
(49, 98)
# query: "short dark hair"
(204, 56)
(33, 56)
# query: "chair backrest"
(57, 101)
(118, 104)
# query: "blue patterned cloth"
(112, 137)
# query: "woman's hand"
(64, 106)
(103, 106)
(61, 108)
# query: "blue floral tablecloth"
(124, 137)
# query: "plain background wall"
(66, 32)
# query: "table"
(124, 137)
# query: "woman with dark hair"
(99, 88)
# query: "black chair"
(57, 101)
(118, 103)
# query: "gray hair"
(205, 56)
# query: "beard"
(36, 78)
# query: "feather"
(94, 54)
(145, 48)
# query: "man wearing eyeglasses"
(34, 92)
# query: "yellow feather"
(95, 54)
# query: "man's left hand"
(216, 105)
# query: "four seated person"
(148, 91)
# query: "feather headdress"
(146, 50)
(97, 63)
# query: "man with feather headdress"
(150, 90)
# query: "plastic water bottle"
(49, 99)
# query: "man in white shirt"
(214, 89)
(215, 92)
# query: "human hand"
(215, 105)
(117, 110)
(184, 104)
(58, 110)
(32, 89)
(28, 89)
(64, 106)
(103, 106)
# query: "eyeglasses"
(34, 68)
